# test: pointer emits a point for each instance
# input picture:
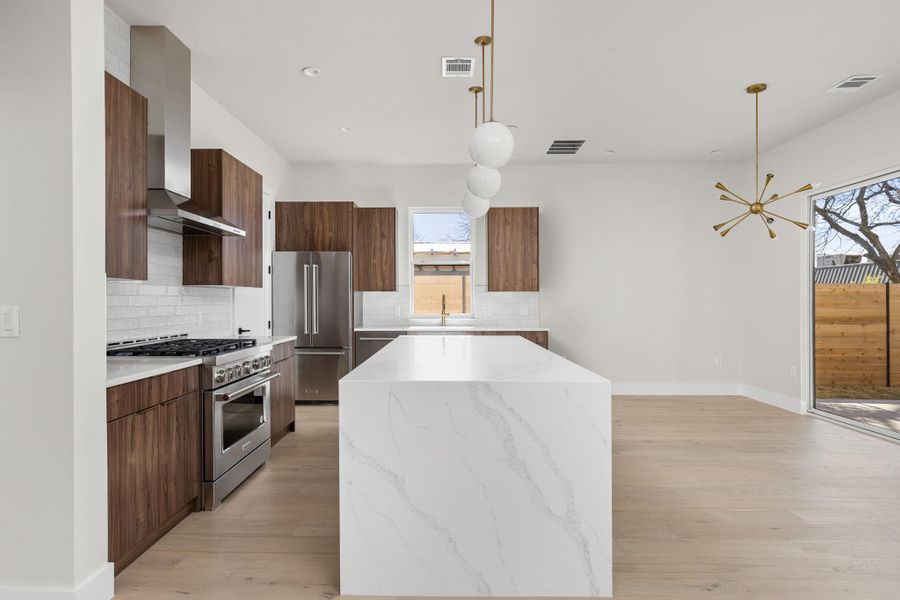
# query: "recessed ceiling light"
(716, 151)
(609, 152)
(345, 129)
(311, 71)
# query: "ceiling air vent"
(565, 146)
(458, 66)
(851, 84)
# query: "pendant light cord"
(757, 145)
(482, 93)
(476, 111)
(493, 43)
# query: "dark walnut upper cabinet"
(314, 226)
(126, 181)
(226, 186)
(512, 249)
(375, 250)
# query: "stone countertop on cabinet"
(272, 340)
(470, 359)
(125, 369)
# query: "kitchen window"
(440, 262)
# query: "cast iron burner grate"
(184, 347)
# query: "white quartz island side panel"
(474, 466)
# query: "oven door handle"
(227, 395)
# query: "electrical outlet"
(717, 361)
(199, 318)
(523, 310)
(793, 371)
(398, 311)
(9, 321)
(488, 311)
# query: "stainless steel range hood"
(161, 71)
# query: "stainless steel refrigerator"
(312, 298)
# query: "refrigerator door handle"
(306, 299)
(315, 299)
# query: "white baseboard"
(676, 389)
(98, 586)
(776, 399)
(710, 389)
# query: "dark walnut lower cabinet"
(154, 461)
(282, 405)
(541, 338)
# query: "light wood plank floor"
(717, 497)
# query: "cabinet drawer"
(130, 398)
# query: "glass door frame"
(811, 302)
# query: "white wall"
(161, 305)
(634, 283)
(776, 273)
(53, 432)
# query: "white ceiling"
(655, 80)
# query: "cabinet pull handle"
(315, 270)
(306, 299)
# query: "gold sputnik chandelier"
(758, 206)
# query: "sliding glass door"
(856, 312)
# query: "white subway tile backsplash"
(161, 305)
(117, 40)
(501, 309)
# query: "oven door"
(236, 422)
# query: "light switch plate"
(9, 321)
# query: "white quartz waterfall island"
(474, 466)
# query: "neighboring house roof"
(858, 273)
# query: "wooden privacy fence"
(857, 329)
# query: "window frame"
(413, 316)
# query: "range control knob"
(268, 361)
(229, 372)
(246, 367)
(257, 363)
(220, 376)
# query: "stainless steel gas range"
(236, 386)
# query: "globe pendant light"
(483, 182)
(474, 206)
(491, 144)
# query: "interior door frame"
(811, 301)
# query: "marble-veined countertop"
(467, 358)
(453, 328)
